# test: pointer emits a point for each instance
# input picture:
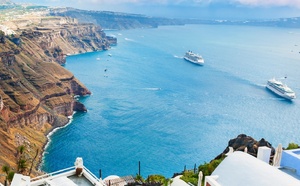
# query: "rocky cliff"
(36, 92)
(247, 144)
(114, 20)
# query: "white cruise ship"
(281, 89)
(194, 58)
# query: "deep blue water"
(154, 107)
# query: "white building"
(73, 176)
(242, 169)
(6, 30)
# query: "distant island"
(117, 20)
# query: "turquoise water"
(152, 106)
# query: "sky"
(202, 9)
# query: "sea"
(149, 105)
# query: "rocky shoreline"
(48, 141)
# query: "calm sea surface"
(150, 105)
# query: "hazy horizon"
(203, 9)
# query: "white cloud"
(291, 3)
(250, 3)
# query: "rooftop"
(240, 168)
(73, 176)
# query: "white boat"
(280, 89)
(194, 58)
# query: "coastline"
(79, 53)
(56, 128)
(48, 141)
(52, 131)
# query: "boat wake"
(277, 98)
(152, 88)
(260, 85)
(127, 39)
(179, 57)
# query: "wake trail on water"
(179, 57)
(237, 76)
(151, 88)
(128, 39)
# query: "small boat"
(194, 58)
(281, 89)
(98, 58)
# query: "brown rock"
(79, 107)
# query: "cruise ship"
(281, 89)
(194, 58)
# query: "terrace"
(72, 176)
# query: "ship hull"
(199, 62)
(281, 94)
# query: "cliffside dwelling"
(6, 30)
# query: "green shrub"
(292, 146)
(190, 176)
(156, 179)
(208, 168)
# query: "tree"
(22, 165)
(5, 169)
(32, 162)
(21, 161)
(21, 150)
(10, 176)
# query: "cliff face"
(114, 20)
(66, 40)
(36, 92)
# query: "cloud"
(253, 3)
(186, 3)
(279, 3)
